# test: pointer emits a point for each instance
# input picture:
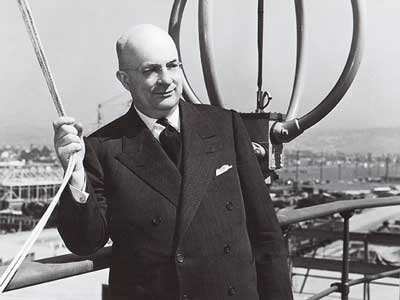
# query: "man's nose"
(164, 76)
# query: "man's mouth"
(166, 93)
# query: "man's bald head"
(139, 41)
(149, 68)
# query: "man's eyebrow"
(149, 64)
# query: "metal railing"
(58, 267)
(371, 266)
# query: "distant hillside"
(31, 134)
(374, 140)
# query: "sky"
(79, 41)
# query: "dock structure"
(28, 183)
(25, 191)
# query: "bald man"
(177, 188)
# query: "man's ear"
(123, 77)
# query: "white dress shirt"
(173, 119)
(155, 128)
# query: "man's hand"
(67, 141)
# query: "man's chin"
(168, 102)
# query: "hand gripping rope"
(33, 34)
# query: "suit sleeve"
(270, 253)
(83, 226)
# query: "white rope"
(19, 258)
(37, 45)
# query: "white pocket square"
(222, 169)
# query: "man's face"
(155, 79)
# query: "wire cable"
(37, 45)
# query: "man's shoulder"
(110, 130)
(213, 111)
(218, 116)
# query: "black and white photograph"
(200, 150)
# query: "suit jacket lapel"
(144, 156)
(200, 144)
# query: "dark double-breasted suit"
(207, 231)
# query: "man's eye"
(173, 65)
(148, 71)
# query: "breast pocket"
(226, 182)
(223, 204)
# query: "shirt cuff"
(79, 195)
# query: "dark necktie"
(170, 141)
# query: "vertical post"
(344, 288)
(260, 42)
(366, 258)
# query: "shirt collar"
(173, 119)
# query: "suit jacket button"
(227, 249)
(185, 297)
(156, 221)
(180, 258)
(231, 291)
(229, 205)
